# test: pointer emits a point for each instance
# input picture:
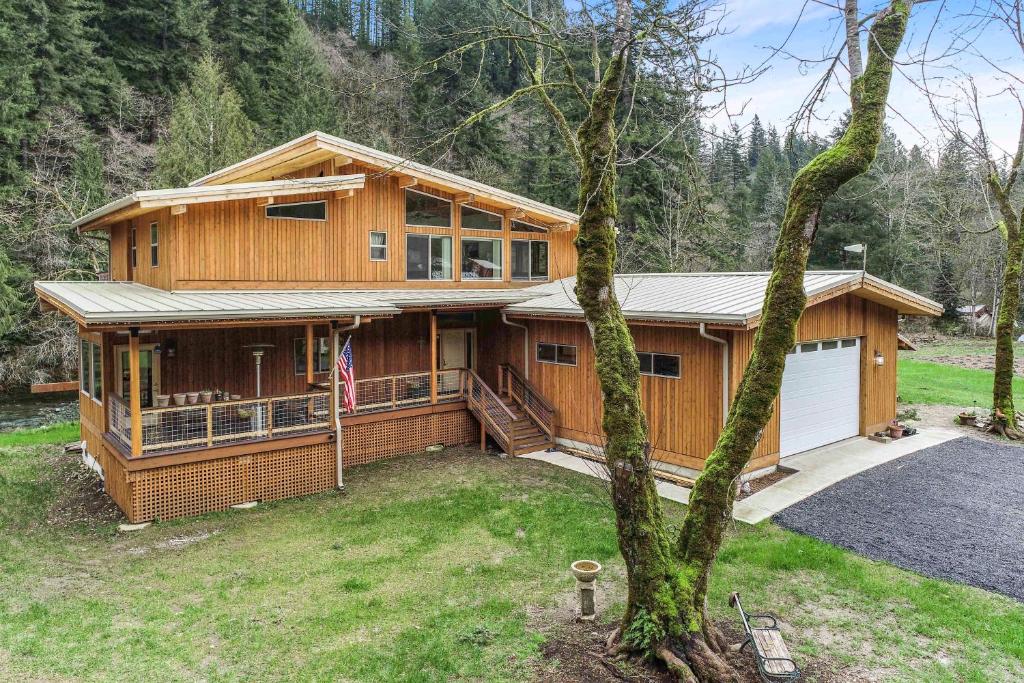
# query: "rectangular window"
(847, 343)
(659, 364)
(428, 257)
(426, 210)
(321, 355)
(154, 244)
(558, 354)
(829, 345)
(90, 374)
(809, 348)
(97, 372)
(478, 219)
(522, 226)
(529, 260)
(84, 373)
(481, 259)
(378, 246)
(299, 211)
(135, 259)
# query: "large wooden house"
(206, 354)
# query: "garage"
(820, 398)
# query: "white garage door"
(820, 397)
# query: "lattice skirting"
(205, 486)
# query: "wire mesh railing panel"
(449, 384)
(239, 421)
(174, 428)
(392, 392)
(295, 414)
(120, 421)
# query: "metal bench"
(773, 659)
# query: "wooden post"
(483, 436)
(309, 353)
(433, 357)
(335, 405)
(135, 391)
(209, 425)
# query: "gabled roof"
(720, 298)
(146, 200)
(316, 147)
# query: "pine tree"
(208, 128)
(305, 100)
(756, 143)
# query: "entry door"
(820, 397)
(149, 373)
(455, 349)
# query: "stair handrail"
(488, 400)
(547, 424)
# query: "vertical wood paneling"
(878, 384)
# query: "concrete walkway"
(817, 469)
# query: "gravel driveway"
(953, 511)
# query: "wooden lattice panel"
(373, 441)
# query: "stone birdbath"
(586, 572)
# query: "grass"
(64, 432)
(938, 384)
(451, 567)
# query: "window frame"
(501, 258)
(321, 352)
(536, 228)
(430, 257)
(133, 247)
(89, 353)
(652, 373)
(379, 246)
(558, 347)
(500, 216)
(154, 244)
(530, 278)
(269, 207)
(405, 212)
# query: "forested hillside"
(102, 98)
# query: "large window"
(90, 372)
(481, 259)
(427, 210)
(478, 219)
(558, 354)
(428, 257)
(659, 364)
(523, 226)
(529, 260)
(298, 211)
(378, 246)
(321, 355)
(154, 244)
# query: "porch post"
(335, 403)
(433, 357)
(309, 354)
(135, 391)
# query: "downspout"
(335, 352)
(526, 342)
(725, 370)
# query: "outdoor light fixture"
(879, 359)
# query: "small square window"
(847, 343)
(566, 355)
(659, 364)
(829, 345)
(547, 353)
(378, 246)
(809, 348)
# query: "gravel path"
(953, 511)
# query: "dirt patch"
(81, 500)
(761, 483)
(978, 362)
(942, 416)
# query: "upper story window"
(426, 210)
(428, 257)
(154, 244)
(90, 372)
(132, 248)
(481, 258)
(321, 355)
(523, 226)
(557, 354)
(378, 246)
(659, 364)
(478, 219)
(529, 260)
(298, 211)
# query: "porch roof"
(722, 298)
(117, 303)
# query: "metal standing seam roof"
(730, 298)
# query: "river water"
(28, 410)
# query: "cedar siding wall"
(685, 415)
(232, 245)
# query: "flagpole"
(336, 409)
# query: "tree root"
(677, 665)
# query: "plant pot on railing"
(163, 400)
(206, 395)
(179, 399)
(193, 397)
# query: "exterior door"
(820, 398)
(149, 373)
(455, 349)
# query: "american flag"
(347, 377)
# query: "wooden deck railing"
(519, 389)
(489, 409)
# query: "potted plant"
(967, 418)
(206, 395)
(245, 413)
(895, 429)
(193, 397)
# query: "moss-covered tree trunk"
(1004, 416)
(711, 499)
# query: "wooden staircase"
(518, 418)
(528, 435)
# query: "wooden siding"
(233, 245)
(878, 384)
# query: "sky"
(756, 26)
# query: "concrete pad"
(679, 494)
(821, 467)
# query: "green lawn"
(64, 432)
(429, 568)
(938, 384)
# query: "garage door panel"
(820, 397)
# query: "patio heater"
(257, 353)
